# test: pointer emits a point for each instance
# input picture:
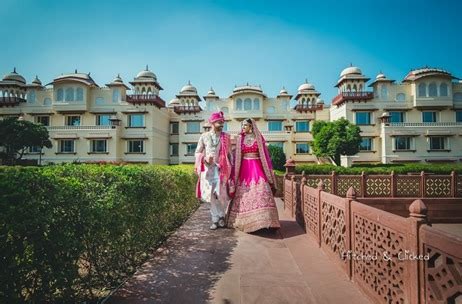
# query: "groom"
(213, 166)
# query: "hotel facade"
(416, 120)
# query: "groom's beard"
(219, 129)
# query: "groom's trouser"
(219, 198)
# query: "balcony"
(146, 99)
(425, 124)
(10, 101)
(433, 102)
(187, 109)
(74, 128)
(70, 107)
(308, 108)
(352, 96)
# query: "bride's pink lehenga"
(253, 206)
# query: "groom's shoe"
(221, 222)
(214, 226)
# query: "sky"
(221, 44)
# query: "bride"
(253, 206)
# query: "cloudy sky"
(224, 43)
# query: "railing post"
(294, 197)
(350, 196)
(422, 184)
(302, 196)
(320, 190)
(290, 166)
(333, 182)
(363, 184)
(453, 183)
(393, 184)
(417, 218)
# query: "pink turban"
(216, 116)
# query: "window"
(34, 149)
(193, 127)
(66, 146)
(174, 149)
(239, 104)
(69, 94)
(274, 126)
(432, 91)
(60, 95)
(103, 120)
(363, 118)
(422, 91)
(256, 104)
(401, 97)
(397, 116)
(115, 95)
(458, 116)
(44, 120)
(174, 127)
(47, 101)
(302, 148)
(99, 146)
(31, 96)
(437, 143)
(136, 120)
(79, 94)
(457, 96)
(225, 126)
(302, 126)
(135, 146)
(384, 91)
(72, 120)
(402, 143)
(444, 89)
(247, 104)
(191, 149)
(270, 110)
(366, 144)
(429, 116)
(99, 100)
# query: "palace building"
(418, 119)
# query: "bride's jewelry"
(249, 139)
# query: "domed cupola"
(14, 78)
(307, 90)
(381, 78)
(188, 100)
(284, 94)
(351, 86)
(211, 95)
(117, 82)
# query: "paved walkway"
(197, 265)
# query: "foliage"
(16, 136)
(68, 232)
(336, 138)
(381, 169)
(278, 157)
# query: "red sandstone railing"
(187, 109)
(346, 96)
(10, 101)
(308, 107)
(376, 249)
(392, 185)
(146, 99)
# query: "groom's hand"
(210, 160)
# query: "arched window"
(115, 95)
(355, 88)
(31, 96)
(270, 110)
(79, 94)
(348, 88)
(69, 94)
(432, 91)
(384, 91)
(422, 90)
(247, 104)
(457, 96)
(303, 100)
(256, 104)
(60, 95)
(225, 110)
(444, 89)
(360, 87)
(149, 91)
(47, 101)
(143, 91)
(401, 97)
(239, 104)
(99, 100)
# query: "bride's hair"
(248, 120)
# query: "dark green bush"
(278, 157)
(380, 169)
(70, 232)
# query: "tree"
(278, 157)
(336, 138)
(16, 136)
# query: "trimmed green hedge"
(380, 169)
(69, 233)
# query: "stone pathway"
(197, 265)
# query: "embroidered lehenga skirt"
(253, 206)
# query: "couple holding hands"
(239, 184)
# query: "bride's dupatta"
(263, 153)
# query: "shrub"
(69, 232)
(278, 157)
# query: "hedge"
(380, 169)
(70, 233)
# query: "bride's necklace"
(249, 139)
